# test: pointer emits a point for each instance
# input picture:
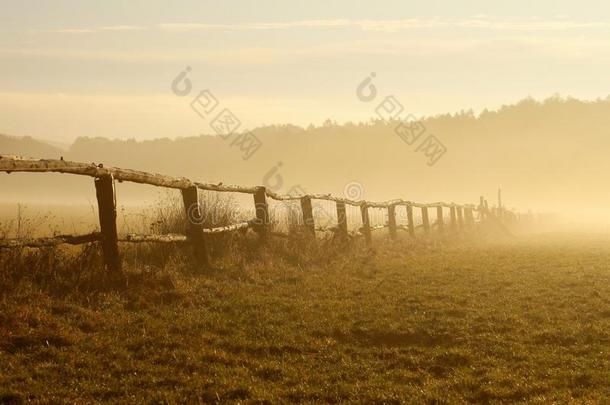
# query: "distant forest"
(523, 148)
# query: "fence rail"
(461, 215)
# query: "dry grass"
(433, 321)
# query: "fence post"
(366, 223)
(262, 212)
(410, 223)
(500, 211)
(481, 209)
(342, 220)
(453, 218)
(469, 217)
(500, 199)
(307, 210)
(460, 217)
(439, 219)
(392, 220)
(425, 219)
(194, 217)
(104, 191)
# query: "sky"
(84, 68)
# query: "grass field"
(526, 319)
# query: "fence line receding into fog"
(461, 216)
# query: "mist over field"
(548, 156)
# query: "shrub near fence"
(460, 216)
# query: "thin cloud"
(512, 47)
(476, 22)
(99, 29)
(122, 28)
(255, 26)
(73, 31)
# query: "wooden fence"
(460, 216)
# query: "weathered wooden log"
(307, 210)
(439, 219)
(262, 213)
(392, 221)
(425, 219)
(410, 221)
(221, 229)
(341, 221)
(16, 164)
(357, 203)
(366, 224)
(167, 238)
(129, 238)
(195, 219)
(53, 241)
(104, 191)
(176, 238)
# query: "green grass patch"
(525, 320)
